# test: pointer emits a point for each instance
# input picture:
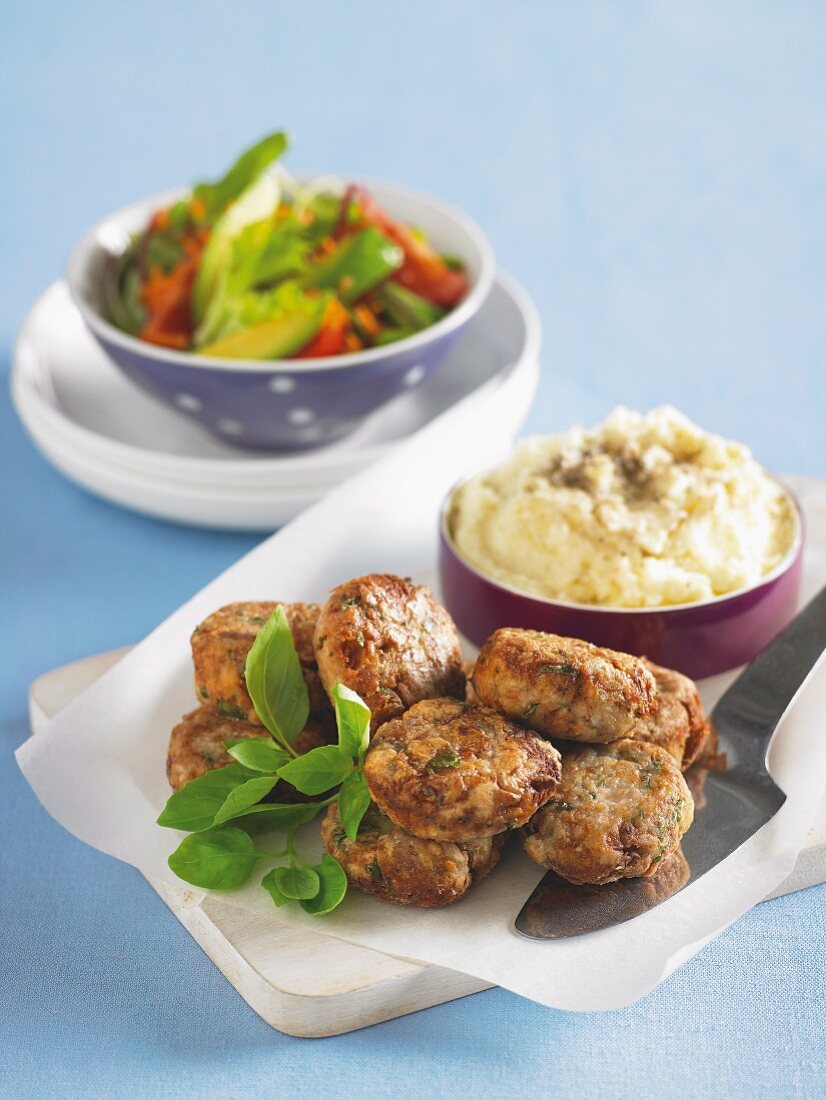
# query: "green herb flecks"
(444, 760)
(560, 670)
(229, 710)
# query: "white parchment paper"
(99, 768)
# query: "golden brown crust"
(220, 645)
(668, 877)
(393, 865)
(390, 641)
(470, 694)
(196, 746)
(448, 770)
(563, 687)
(678, 725)
(619, 810)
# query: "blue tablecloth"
(654, 174)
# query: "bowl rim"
(467, 308)
(121, 451)
(783, 566)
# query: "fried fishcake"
(220, 645)
(447, 770)
(390, 641)
(470, 694)
(563, 687)
(386, 861)
(196, 745)
(668, 877)
(618, 811)
(678, 725)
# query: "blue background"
(654, 174)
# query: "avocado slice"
(275, 339)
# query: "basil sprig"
(275, 682)
(224, 809)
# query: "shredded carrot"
(335, 314)
(367, 320)
(160, 220)
(168, 297)
(330, 338)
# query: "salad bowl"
(284, 404)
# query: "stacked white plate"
(106, 434)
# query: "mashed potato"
(643, 511)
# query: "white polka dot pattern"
(189, 402)
(414, 376)
(282, 383)
(231, 427)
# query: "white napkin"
(99, 767)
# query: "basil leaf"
(244, 797)
(275, 681)
(260, 754)
(271, 816)
(298, 883)
(333, 888)
(195, 805)
(353, 721)
(217, 859)
(318, 770)
(353, 800)
(272, 888)
(244, 172)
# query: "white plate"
(86, 416)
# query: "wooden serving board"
(304, 983)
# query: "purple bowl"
(284, 404)
(699, 639)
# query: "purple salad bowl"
(284, 404)
(699, 639)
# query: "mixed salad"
(258, 266)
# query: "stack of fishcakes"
(454, 768)
(631, 728)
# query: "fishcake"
(564, 687)
(220, 645)
(447, 770)
(618, 811)
(386, 861)
(678, 725)
(391, 642)
(196, 745)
